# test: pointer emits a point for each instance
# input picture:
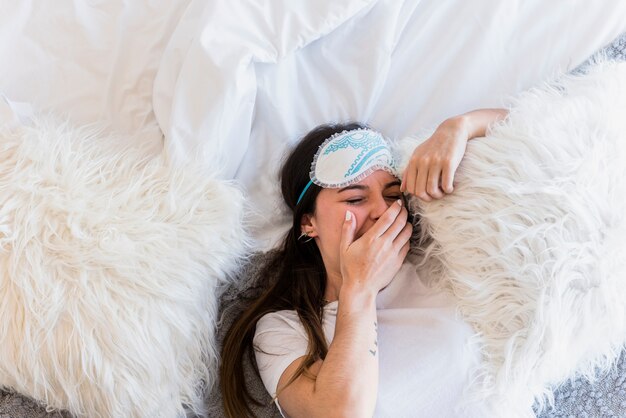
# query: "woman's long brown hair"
(300, 281)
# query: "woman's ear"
(307, 225)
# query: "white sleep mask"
(348, 157)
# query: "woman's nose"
(379, 206)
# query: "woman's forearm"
(477, 121)
(348, 378)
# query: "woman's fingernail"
(348, 215)
(399, 202)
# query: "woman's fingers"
(404, 236)
(432, 185)
(403, 182)
(404, 251)
(447, 176)
(372, 258)
(347, 231)
(385, 221)
(398, 224)
(411, 176)
(420, 183)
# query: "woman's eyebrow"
(393, 183)
(353, 186)
(363, 187)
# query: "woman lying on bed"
(349, 329)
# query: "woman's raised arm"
(432, 166)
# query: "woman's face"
(367, 200)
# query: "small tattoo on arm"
(375, 340)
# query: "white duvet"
(258, 75)
(232, 83)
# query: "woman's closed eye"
(357, 200)
(354, 200)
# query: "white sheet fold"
(209, 117)
(243, 81)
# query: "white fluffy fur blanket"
(109, 263)
(533, 240)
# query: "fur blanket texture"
(109, 265)
(533, 240)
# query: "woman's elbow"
(347, 407)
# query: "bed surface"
(93, 62)
(234, 86)
(400, 66)
(159, 70)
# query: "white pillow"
(109, 263)
(533, 239)
(94, 61)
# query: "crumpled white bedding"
(233, 83)
(257, 75)
(92, 61)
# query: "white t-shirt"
(425, 349)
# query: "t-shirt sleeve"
(279, 339)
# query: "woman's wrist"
(462, 124)
(357, 297)
(476, 122)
